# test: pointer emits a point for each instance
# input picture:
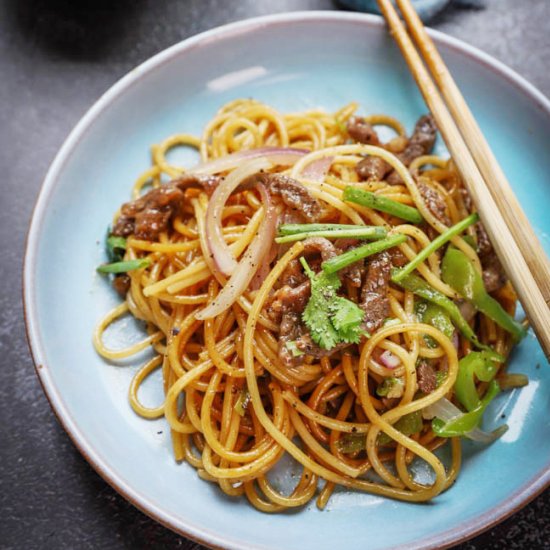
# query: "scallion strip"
(367, 232)
(293, 228)
(124, 267)
(434, 245)
(381, 203)
(356, 254)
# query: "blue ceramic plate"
(293, 62)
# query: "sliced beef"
(353, 273)
(493, 272)
(435, 203)
(372, 169)
(291, 191)
(149, 215)
(294, 274)
(309, 347)
(360, 130)
(289, 330)
(207, 182)
(289, 299)
(374, 294)
(422, 140)
(426, 378)
(421, 143)
(121, 283)
(320, 246)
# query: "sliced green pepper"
(484, 364)
(459, 273)
(436, 316)
(408, 425)
(421, 288)
(466, 422)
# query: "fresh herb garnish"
(331, 319)
(116, 247)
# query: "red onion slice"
(249, 264)
(389, 360)
(284, 156)
(318, 169)
(221, 253)
(265, 264)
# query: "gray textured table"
(56, 58)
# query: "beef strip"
(320, 246)
(291, 191)
(426, 378)
(493, 272)
(352, 273)
(289, 330)
(149, 215)
(421, 143)
(294, 274)
(372, 169)
(435, 203)
(207, 182)
(374, 294)
(309, 347)
(289, 299)
(121, 283)
(360, 130)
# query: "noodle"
(234, 403)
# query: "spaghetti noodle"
(293, 308)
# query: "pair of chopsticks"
(511, 234)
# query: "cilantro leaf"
(347, 317)
(331, 319)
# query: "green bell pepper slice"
(459, 273)
(421, 288)
(466, 422)
(482, 364)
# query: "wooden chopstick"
(488, 165)
(513, 261)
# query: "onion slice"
(284, 156)
(389, 360)
(445, 410)
(249, 264)
(318, 169)
(219, 249)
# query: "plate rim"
(461, 532)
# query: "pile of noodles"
(233, 408)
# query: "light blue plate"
(294, 62)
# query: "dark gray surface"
(56, 58)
